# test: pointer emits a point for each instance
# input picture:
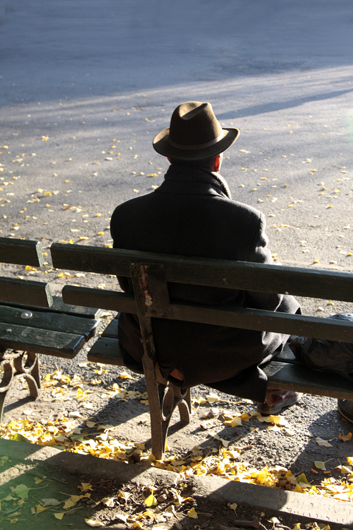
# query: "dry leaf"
(93, 522)
(151, 500)
(322, 442)
(192, 514)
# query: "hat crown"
(194, 125)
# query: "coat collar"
(199, 180)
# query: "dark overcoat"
(190, 214)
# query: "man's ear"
(217, 163)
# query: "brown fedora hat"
(194, 133)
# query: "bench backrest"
(151, 273)
(17, 291)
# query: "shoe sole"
(275, 409)
(344, 414)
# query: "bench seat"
(284, 372)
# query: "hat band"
(200, 146)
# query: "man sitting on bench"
(192, 214)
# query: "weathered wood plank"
(298, 378)
(59, 306)
(112, 300)
(21, 252)
(34, 340)
(69, 309)
(47, 320)
(242, 318)
(112, 329)
(260, 320)
(106, 351)
(25, 292)
(210, 272)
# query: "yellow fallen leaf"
(124, 375)
(322, 442)
(108, 501)
(68, 504)
(303, 481)
(211, 398)
(85, 486)
(345, 437)
(93, 522)
(40, 508)
(320, 465)
(236, 421)
(225, 443)
(59, 515)
(192, 514)
(151, 500)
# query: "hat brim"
(162, 145)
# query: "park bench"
(150, 274)
(32, 321)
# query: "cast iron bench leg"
(162, 400)
(27, 366)
(5, 384)
(18, 364)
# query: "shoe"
(276, 400)
(345, 408)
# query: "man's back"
(191, 217)
(192, 214)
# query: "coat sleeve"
(260, 253)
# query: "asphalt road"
(81, 82)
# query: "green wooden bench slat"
(257, 319)
(70, 309)
(59, 306)
(210, 272)
(49, 321)
(34, 340)
(112, 329)
(21, 252)
(25, 292)
(106, 350)
(298, 378)
(113, 300)
(224, 316)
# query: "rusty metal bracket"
(152, 300)
(151, 290)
